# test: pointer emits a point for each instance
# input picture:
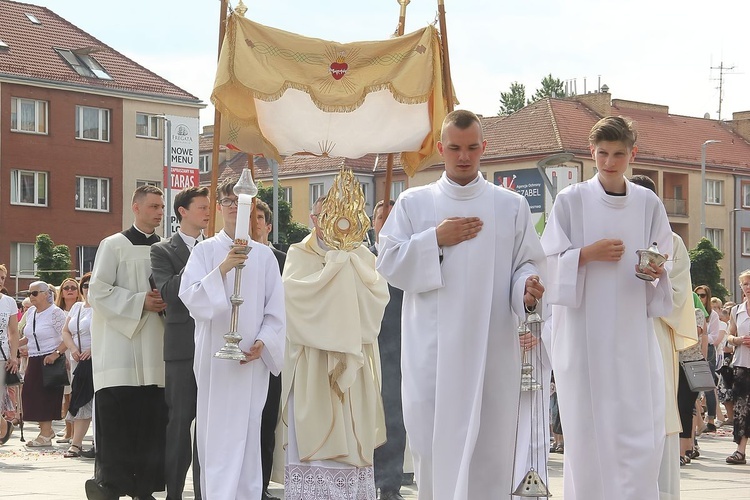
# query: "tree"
(51, 257)
(513, 100)
(551, 87)
(289, 231)
(705, 269)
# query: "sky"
(656, 51)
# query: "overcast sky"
(657, 51)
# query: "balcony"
(675, 207)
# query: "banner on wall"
(183, 150)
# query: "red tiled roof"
(31, 54)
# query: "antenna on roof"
(722, 71)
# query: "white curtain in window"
(28, 116)
(90, 123)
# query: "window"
(140, 183)
(22, 257)
(92, 123)
(364, 186)
(316, 191)
(147, 126)
(28, 115)
(715, 236)
(83, 64)
(92, 193)
(714, 192)
(28, 187)
(85, 259)
(746, 242)
(397, 188)
(745, 194)
(204, 163)
(286, 195)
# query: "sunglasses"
(34, 293)
(702, 295)
(70, 288)
(85, 286)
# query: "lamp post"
(703, 186)
(168, 182)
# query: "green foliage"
(51, 257)
(289, 231)
(705, 269)
(551, 87)
(513, 100)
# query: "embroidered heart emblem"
(338, 70)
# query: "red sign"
(182, 178)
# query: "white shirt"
(189, 240)
(49, 324)
(84, 329)
(7, 307)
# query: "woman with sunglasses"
(68, 295)
(44, 322)
(77, 337)
(712, 331)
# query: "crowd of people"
(346, 350)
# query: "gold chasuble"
(334, 303)
(283, 94)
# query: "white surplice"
(231, 396)
(460, 351)
(608, 369)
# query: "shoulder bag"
(698, 375)
(55, 374)
(11, 379)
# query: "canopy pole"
(217, 127)
(389, 164)
(446, 58)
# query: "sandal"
(73, 452)
(736, 458)
(693, 454)
(8, 432)
(684, 460)
(40, 442)
(63, 441)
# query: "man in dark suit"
(263, 226)
(168, 259)
(389, 458)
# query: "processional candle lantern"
(246, 190)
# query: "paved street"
(46, 475)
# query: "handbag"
(55, 374)
(698, 375)
(11, 379)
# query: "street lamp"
(168, 186)
(703, 186)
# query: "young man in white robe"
(231, 394)
(127, 344)
(608, 368)
(468, 260)
(675, 333)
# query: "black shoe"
(267, 496)
(407, 479)
(95, 491)
(710, 428)
(390, 495)
(90, 453)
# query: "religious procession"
(440, 342)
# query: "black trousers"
(181, 395)
(389, 458)
(685, 404)
(268, 427)
(130, 438)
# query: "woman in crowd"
(68, 295)
(77, 338)
(43, 328)
(712, 330)
(8, 347)
(739, 337)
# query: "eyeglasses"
(34, 293)
(228, 202)
(85, 286)
(702, 295)
(70, 288)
